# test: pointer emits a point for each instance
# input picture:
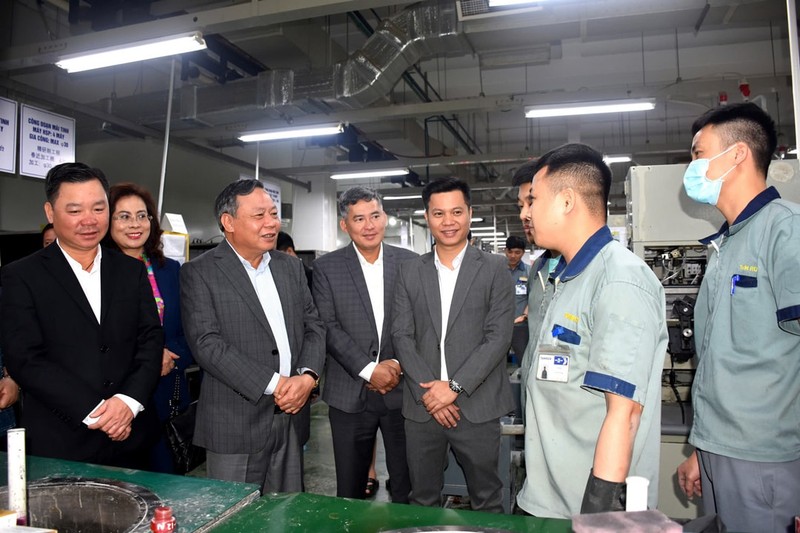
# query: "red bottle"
(163, 520)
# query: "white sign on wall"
(274, 192)
(46, 140)
(8, 135)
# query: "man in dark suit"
(453, 319)
(254, 330)
(81, 333)
(354, 291)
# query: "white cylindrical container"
(17, 475)
(636, 495)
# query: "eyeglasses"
(127, 218)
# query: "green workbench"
(305, 512)
(197, 503)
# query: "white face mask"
(698, 187)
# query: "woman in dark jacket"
(135, 231)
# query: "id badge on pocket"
(553, 364)
(521, 287)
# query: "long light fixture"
(291, 133)
(503, 3)
(407, 197)
(611, 159)
(589, 108)
(370, 174)
(128, 53)
(488, 234)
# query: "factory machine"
(664, 226)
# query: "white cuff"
(273, 384)
(366, 372)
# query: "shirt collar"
(520, 266)
(265, 258)
(76, 266)
(761, 199)
(364, 262)
(456, 260)
(543, 260)
(584, 256)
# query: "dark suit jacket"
(65, 362)
(230, 338)
(341, 295)
(168, 281)
(479, 331)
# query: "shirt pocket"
(566, 335)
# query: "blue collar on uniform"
(541, 261)
(763, 198)
(520, 266)
(588, 251)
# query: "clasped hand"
(385, 376)
(438, 401)
(115, 419)
(292, 392)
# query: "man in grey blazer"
(453, 319)
(354, 292)
(253, 328)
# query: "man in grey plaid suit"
(354, 290)
(252, 325)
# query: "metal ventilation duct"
(425, 30)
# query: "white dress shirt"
(91, 286)
(268, 297)
(373, 275)
(447, 286)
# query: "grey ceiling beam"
(257, 13)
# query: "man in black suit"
(81, 333)
(354, 291)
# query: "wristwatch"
(313, 374)
(455, 387)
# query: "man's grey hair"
(226, 201)
(353, 195)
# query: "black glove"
(602, 496)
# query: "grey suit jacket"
(229, 335)
(479, 330)
(341, 295)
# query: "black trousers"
(353, 441)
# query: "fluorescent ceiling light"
(407, 197)
(370, 174)
(489, 234)
(419, 212)
(128, 53)
(610, 159)
(484, 228)
(476, 219)
(503, 3)
(589, 108)
(291, 133)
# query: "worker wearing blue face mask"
(697, 183)
(746, 392)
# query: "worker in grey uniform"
(746, 392)
(540, 281)
(593, 406)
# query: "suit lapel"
(429, 279)
(354, 267)
(281, 275)
(389, 275)
(106, 284)
(469, 269)
(56, 264)
(232, 268)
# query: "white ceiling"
(676, 51)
